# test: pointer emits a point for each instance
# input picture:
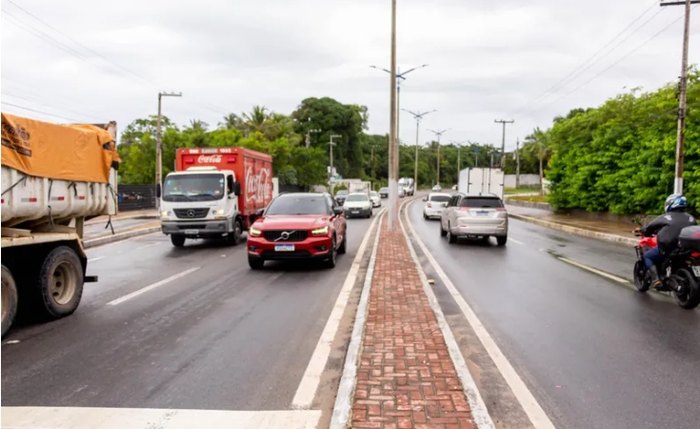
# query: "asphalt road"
(594, 352)
(220, 336)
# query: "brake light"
(695, 255)
(500, 209)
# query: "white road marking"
(346, 388)
(119, 418)
(152, 286)
(594, 271)
(312, 376)
(527, 400)
(146, 246)
(11, 342)
(515, 241)
(479, 412)
(96, 259)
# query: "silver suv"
(474, 216)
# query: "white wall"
(525, 180)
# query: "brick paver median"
(406, 378)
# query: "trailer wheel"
(9, 299)
(60, 284)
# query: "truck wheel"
(60, 284)
(234, 237)
(9, 299)
(178, 240)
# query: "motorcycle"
(682, 268)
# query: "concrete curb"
(527, 204)
(99, 241)
(577, 231)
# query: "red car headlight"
(320, 231)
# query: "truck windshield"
(193, 187)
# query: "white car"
(435, 203)
(358, 204)
(437, 188)
(474, 216)
(375, 198)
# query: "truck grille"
(285, 236)
(191, 213)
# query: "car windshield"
(298, 205)
(440, 198)
(357, 197)
(373, 194)
(193, 187)
(480, 202)
(341, 193)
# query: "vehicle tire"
(235, 236)
(451, 238)
(344, 245)
(640, 278)
(178, 240)
(425, 216)
(256, 263)
(501, 240)
(60, 283)
(442, 230)
(331, 261)
(9, 299)
(689, 297)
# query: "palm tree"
(256, 120)
(537, 144)
(232, 122)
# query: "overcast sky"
(94, 61)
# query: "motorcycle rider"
(667, 229)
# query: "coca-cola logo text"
(209, 159)
(258, 187)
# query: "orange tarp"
(82, 153)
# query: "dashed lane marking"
(152, 286)
(515, 241)
(96, 259)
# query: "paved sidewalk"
(406, 378)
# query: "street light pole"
(438, 134)
(331, 143)
(418, 116)
(459, 149)
(159, 145)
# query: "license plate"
(191, 231)
(482, 213)
(696, 271)
(284, 247)
(355, 212)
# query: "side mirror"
(338, 211)
(158, 191)
(237, 188)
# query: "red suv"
(298, 226)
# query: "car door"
(337, 220)
(447, 212)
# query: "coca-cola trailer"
(214, 192)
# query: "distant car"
(437, 188)
(474, 216)
(358, 204)
(298, 226)
(384, 192)
(340, 196)
(434, 204)
(455, 188)
(375, 198)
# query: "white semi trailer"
(54, 177)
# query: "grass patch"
(522, 189)
(531, 198)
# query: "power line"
(584, 66)
(55, 106)
(40, 111)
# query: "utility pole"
(517, 163)
(682, 98)
(459, 163)
(503, 141)
(331, 143)
(393, 138)
(418, 116)
(438, 134)
(159, 146)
